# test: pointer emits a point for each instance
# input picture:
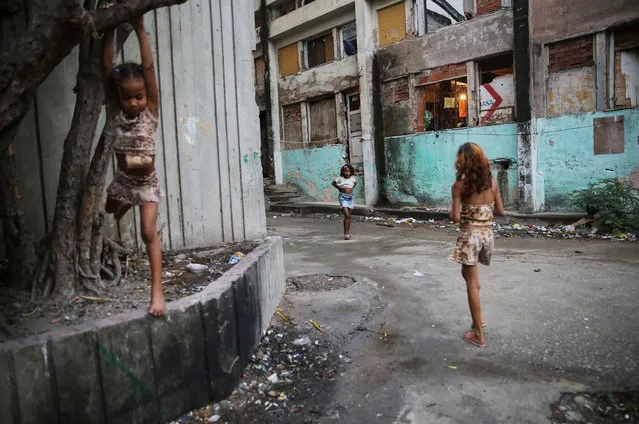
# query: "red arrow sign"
(495, 105)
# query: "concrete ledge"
(134, 369)
(306, 208)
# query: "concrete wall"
(208, 142)
(483, 36)
(548, 19)
(123, 369)
(330, 78)
(421, 167)
(314, 169)
(566, 155)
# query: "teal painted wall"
(420, 168)
(566, 158)
(313, 170)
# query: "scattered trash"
(214, 419)
(303, 341)
(418, 274)
(579, 251)
(236, 258)
(452, 367)
(538, 270)
(383, 224)
(197, 268)
(273, 378)
(317, 326)
(582, 222)
(281, 315)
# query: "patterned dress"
(475, 245)
(135, 139)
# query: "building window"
(497, 90)
(323, 122)
(305, 2)
(292, 137)
(349, 39)
(392, 24)
(319, 50)
(446, 105)
(288, 60)
(287, 7)
(626, 75)
(441, 13)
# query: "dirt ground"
(134, 292)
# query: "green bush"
(612, 202)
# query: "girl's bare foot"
(157, 307)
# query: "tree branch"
(36, 53)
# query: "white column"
(364, 15)
(274, 76)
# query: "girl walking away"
(475, 198)
(345, 183)
(132, 114)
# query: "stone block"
(247, 311)
(126, 365)
(9, 412)
(272, 280)
(33, 383)
(179, 354)
(220, 329)
(77, 376)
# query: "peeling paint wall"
(571, 92)
(566, 154)
(392, 24)
(313, 171)
(421, 170)
(331, 78)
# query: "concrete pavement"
(570, 326)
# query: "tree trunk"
(77, 150)
(20, 246)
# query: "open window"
(348, 34)
(446, 104)
(441, 13)
(497, 90)
(287, 7)
(319, 50)
(626, 65)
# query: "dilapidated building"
(549, 91)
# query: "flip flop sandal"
(469, 338)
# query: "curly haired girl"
(475, 198)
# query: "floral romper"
(475, 245)
(135, 139)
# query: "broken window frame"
(459, 86)
(343, 40)
(307, 64)
(615, 66)
(497, 66)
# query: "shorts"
(473, 246)
(345, 200)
